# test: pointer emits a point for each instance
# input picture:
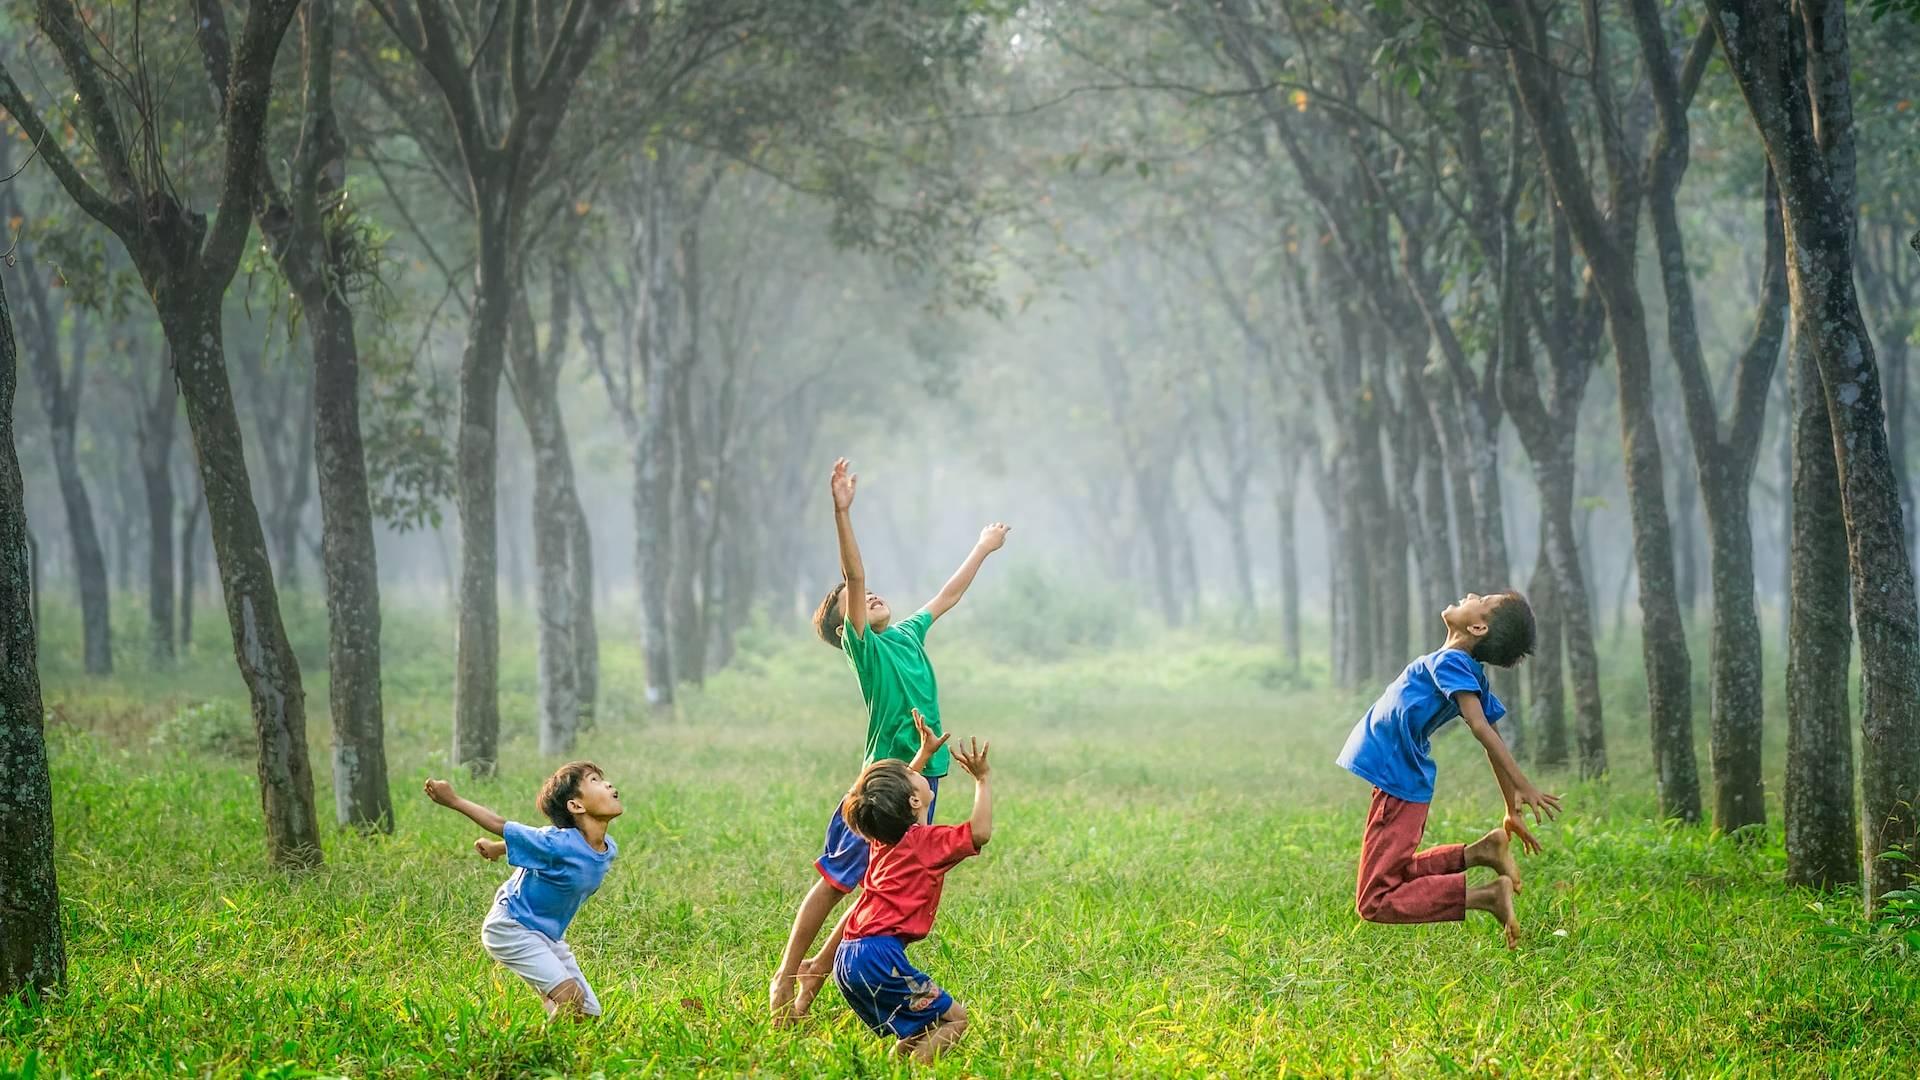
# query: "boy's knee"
(1369, 908)
(955, 1014)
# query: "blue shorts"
(890, 995)
(843, 859)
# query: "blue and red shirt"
(901, 891)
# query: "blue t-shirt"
(1388, 747)
(557, 871)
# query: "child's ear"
(576, 807)
(1478, 629)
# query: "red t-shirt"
(902, 888)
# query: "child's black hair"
(880, 806)
(1510, 632)
(827, 619)
(562, 787)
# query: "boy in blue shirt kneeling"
(1389, 749)
(556, 867)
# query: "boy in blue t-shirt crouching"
(556, 867)
(1389, 749)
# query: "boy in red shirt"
(890, 805)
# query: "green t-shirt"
(895, 679)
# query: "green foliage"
(1880, 9)
(219, 728)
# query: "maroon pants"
(1399, 884)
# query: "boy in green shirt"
(890, 661)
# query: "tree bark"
(653, 467)
(189, 560)
(1286, 496)
(1546, 686)
(1607, 246)
(1822, 827)
(556, 519)
(476, 679)
(1724, 456)
(60, 384)
(156, 469)
(1795, 77)
(32, 950)
(586, 633)
(193, 329)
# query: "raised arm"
(853, 600)
(1518, 791)
(991, 538)
(973, 758)
(442, 792)
(930, 743)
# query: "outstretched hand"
(930, 743)
(441, 791)
(994, 536)
(1545, 807)
(1517, 829)
(843, 483)
(973, 758)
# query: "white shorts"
(535, 957)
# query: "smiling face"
(597, 798)
(878, 613)
(1469, 614)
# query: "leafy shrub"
(216, 728)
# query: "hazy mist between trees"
(1269, 325)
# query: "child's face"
(598, 798)
(922, 797)
(878, 613)
(1470, 613)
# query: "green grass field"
(1169, 892)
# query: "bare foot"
(1500, 904)
(1496, 851)
(780, 999)
(807, 987)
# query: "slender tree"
(1606, 239)
(506, 98)
(32, 951)
(186, 264)
(1793, 65)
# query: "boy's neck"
(1460, 640)
(593, 830)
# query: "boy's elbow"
(980, 838)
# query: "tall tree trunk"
(1606, 244)
(60, 386)
(309, 229)
(1286, 495)
(1576, 618)
(193, 329)
(89, 558)
(1822, 828)
(653, 465)
(476, 675)
(156, 469)
(189, 559)
(1547, 688)
(33, 953)
(689, 632)
(586, 633)
(350, 560)
(1795, 75)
